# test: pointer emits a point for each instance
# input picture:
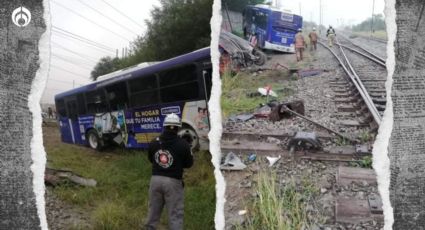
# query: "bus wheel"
(189, 135)
(94, 141)
(260, 57)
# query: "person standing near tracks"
(313, 39)
(299, 45)
(330, 34)
(169, 155)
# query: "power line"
(119, 24)
(123, 14)
(72, 62)
(81, 38)
(99, 49)
(67, 82)
(78, 54)
(65, 70)
(82, 16)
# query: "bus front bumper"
(281, 48)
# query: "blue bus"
(128, 107)
(273, 28)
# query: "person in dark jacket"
(169, 155)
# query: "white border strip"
(215, 116)
(381, 161)
(38, 154)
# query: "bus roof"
(138, 70)
(271, 8)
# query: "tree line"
(176, 27)
(366, 25)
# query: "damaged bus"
(274, 29)
(128, 107)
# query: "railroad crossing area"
(305, 130)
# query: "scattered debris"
(375, 204)
(291, 70)
(309, 72)
(242, 212)
(263, 111)
(363, 149)
(232, 162)
(241, 117)
(305, 141)
(57, 176)
(284, 109)
(267, 91)
(252, 157)
(273, 160)
(279, 112)
(241, 52)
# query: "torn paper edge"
(215, 116)
(381, 161)
(38, 154)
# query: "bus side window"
(72, 109)
(81, 104)
(96, 102)
(60, 107)
(117, 96)
(144, 91)
(179, 84)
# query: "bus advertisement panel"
(136, 127)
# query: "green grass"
(280, 207)
(120, 199)
(382, 34)
(365, 162)
(365, 137)
(236, 88)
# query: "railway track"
(364, 85)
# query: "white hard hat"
(314, 28)
(172, 120)
(299, 29)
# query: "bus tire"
(189, 135)
(94, 141)
(261, 57)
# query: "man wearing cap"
(169, 155)
(299, 45)
(313, 39)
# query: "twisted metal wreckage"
(242, 53)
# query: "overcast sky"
(98, 21)
(334, 12)
(72, 59)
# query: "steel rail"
(365, 50)
(357, 82)
(377, 61)
(367, 97)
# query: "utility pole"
(373, 11)
(300, 8)
(320, 17)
